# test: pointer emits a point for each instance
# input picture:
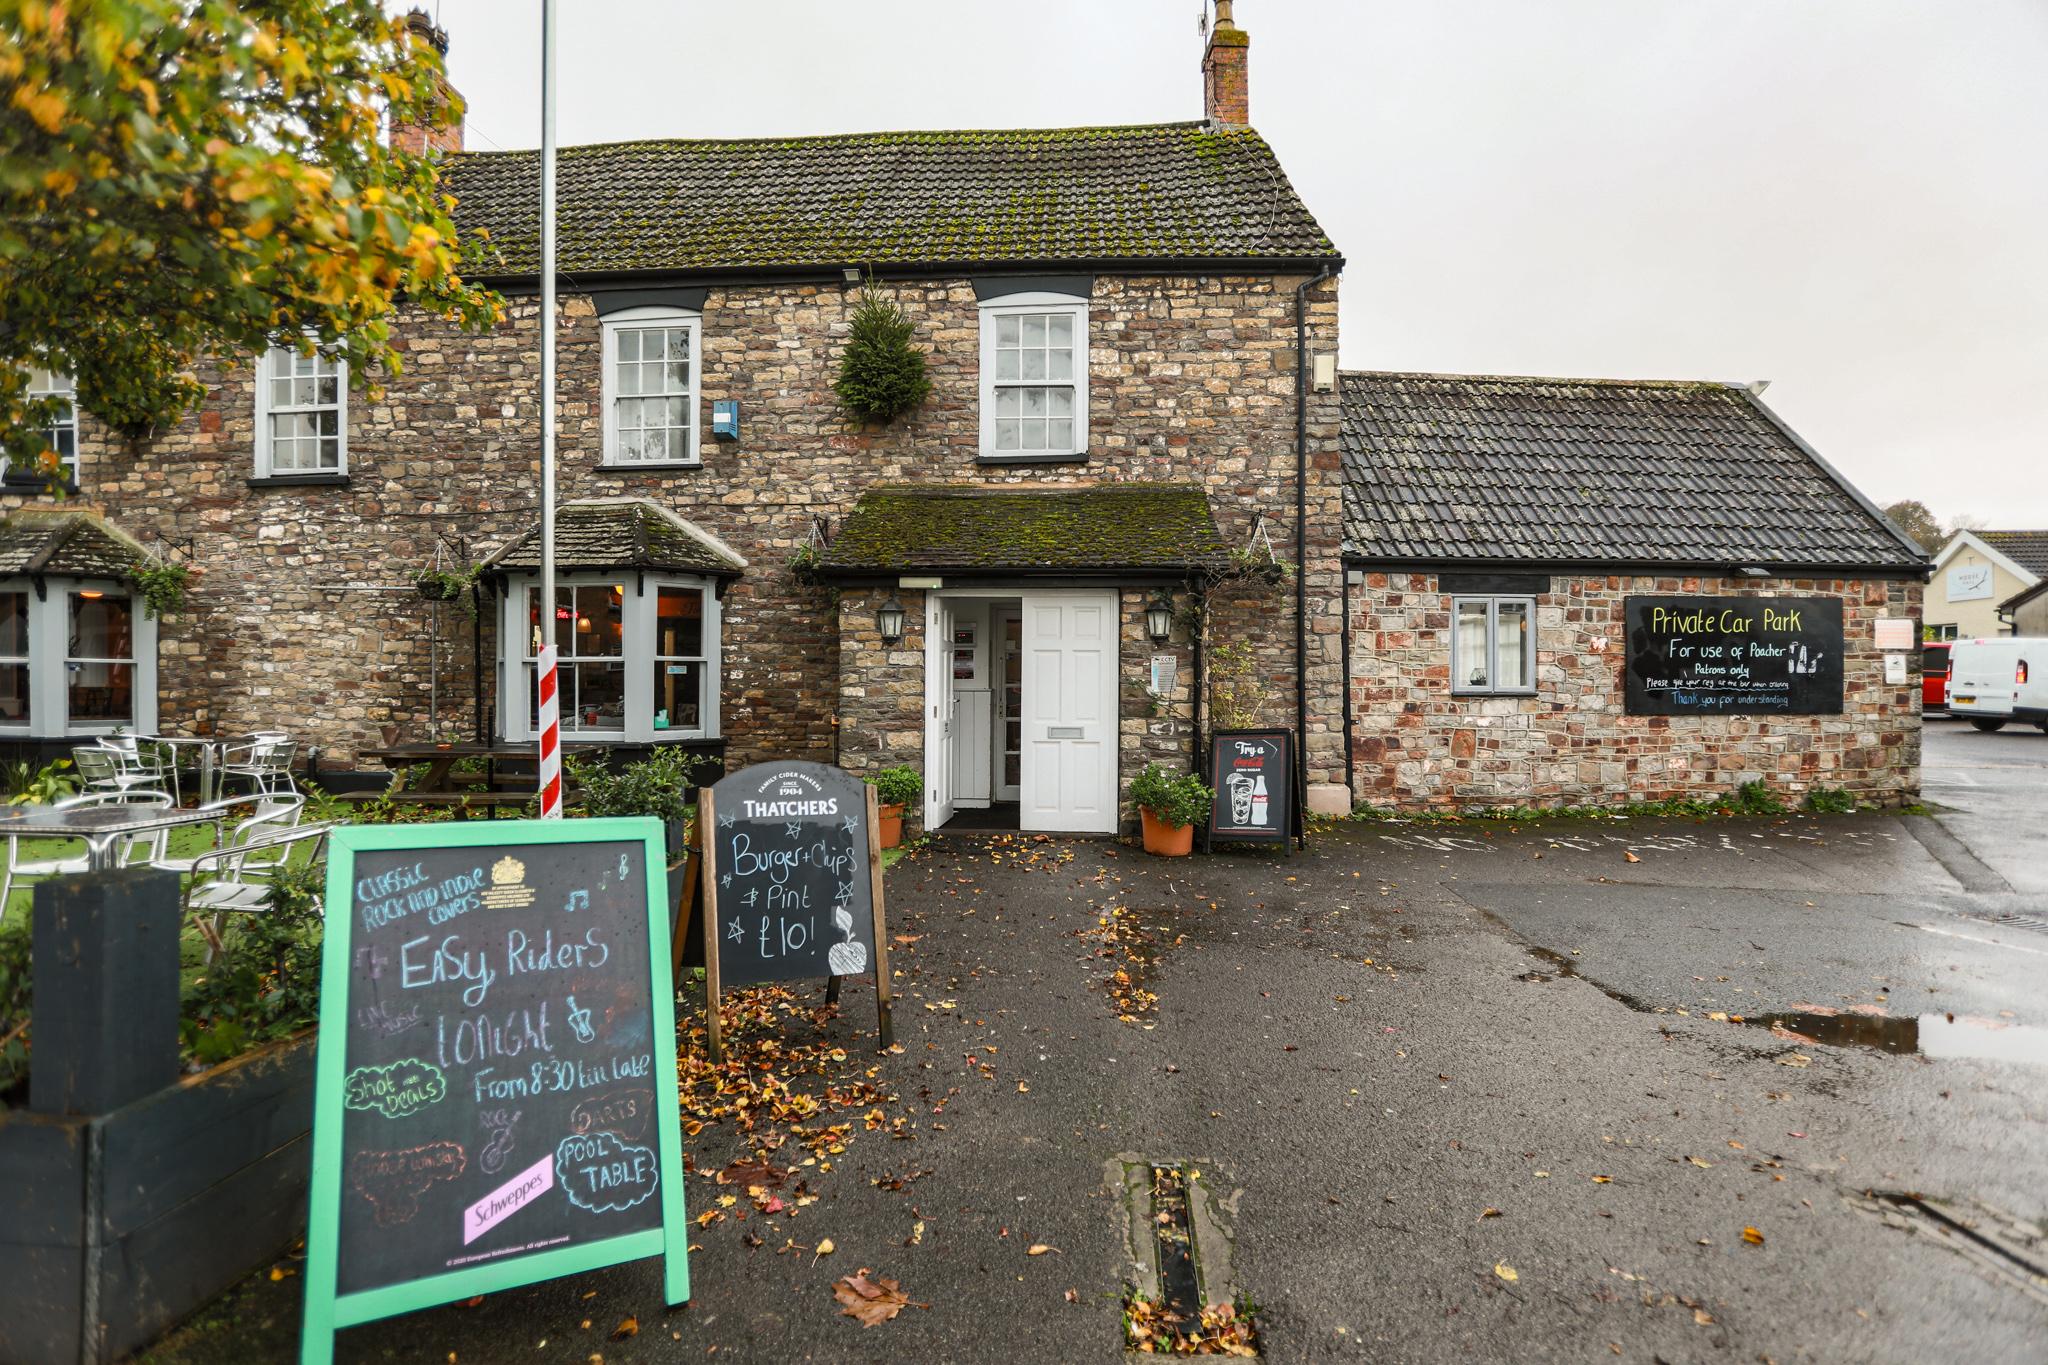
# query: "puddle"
(1929, 1035)
(1945, 1036)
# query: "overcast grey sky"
(1846, 197)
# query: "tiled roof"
(2028, 549)
(78, 544)
(1178, 191)
(1124, 526)
(1488, 469)
(620, 533)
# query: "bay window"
(1493, 646)
(636, 657)
(77, 658)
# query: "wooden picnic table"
(441, 785)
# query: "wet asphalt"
(1458, 1093)
(1990, 792)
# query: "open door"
(1069, 740)
(940, 726)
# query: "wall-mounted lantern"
(1159, 619)
(889, 620)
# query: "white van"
(1993, 681)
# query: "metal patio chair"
(267, 815)
(263, 760)
(29, 870)
(240, 879)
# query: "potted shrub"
(895, 788)
(1168, 806)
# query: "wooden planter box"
(117, 1226)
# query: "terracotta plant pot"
(890, 819)
(1167, 841)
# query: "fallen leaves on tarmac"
(1753, 1237)
(1506, 1271)
(871, 1302)
(1220, 1330)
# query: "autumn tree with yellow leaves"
(179, 177)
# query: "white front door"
(1069, 731)
(940, 724)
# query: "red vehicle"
(1934, 675)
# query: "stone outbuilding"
(1569, 592)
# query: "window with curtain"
(1493, 645)
(15, 682)
(650, 387)
(99, 662)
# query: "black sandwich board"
(1734, 656)
(792, 883)
(495, 1101)
(1257, 799)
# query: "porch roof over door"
(1129, 530)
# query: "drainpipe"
(1301, 545)
(1198, 613)
(476, 658)
(1350, 763)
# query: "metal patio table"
(101, 827)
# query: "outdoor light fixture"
(889, 620)
(851, 274)
(1159, 619)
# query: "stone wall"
(303, 617)
(1416, 746)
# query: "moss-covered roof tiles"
(75, 544)
(1120, 526)
(620, 533)
(1180, 192)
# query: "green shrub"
(658, 785)
(1831, 801)
(15, 993)
(265, 985)
(1176, 799)
(1756, 798)
(28, 785)
(898, 786)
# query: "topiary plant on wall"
(882, 375)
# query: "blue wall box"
(725, 419)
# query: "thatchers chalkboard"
(497, 1089)
(792, 881)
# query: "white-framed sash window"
(61, 435)
(650, 387)
(77, 659)
(1034, 377)
(1493, 646)
(636, 657)
(301, 414)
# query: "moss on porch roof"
(75, 544)
(1037, 530)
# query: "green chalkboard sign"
(496, 1097)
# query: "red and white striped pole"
(550, 738)
(549, 613)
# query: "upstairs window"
(62, 433)
(1493, 646)
(301, 414)
(650, 387)
(1034, 378)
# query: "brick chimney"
(422, 138)
(1226, 82)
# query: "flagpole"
(546, 679)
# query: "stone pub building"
(1137, 463)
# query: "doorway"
(1020, 721)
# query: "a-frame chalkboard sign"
(495, 1099)
(1257, 797)
(792, 871)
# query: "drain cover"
(1177, 1235)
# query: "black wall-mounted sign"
(1742, 656)
(792, 879)
(1253, 774)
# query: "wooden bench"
(488, 802)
